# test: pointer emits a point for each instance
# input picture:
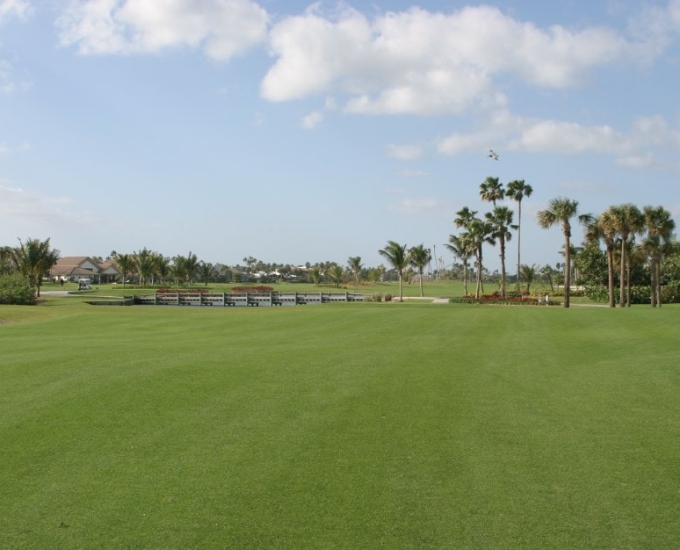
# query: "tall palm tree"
(462, 247)
(480, 233)
(501, 223)
(559, 212)
(660, 225)
(191, 264)
(354, 264)
(419, 258)
(126, 265)
(144, 264)
(602, 229)
(397, 257)
(491, 190)
(517, 190)
(34, 259)
(628, 221)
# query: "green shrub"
(377, 297)
(388, 297)
(16, 290)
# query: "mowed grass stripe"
(407, 425)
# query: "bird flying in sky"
(492, 154)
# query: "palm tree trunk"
(628, 283)
(610, 270)
(401, 293)
(502, 245)
(519, 236)
(658, 281)
(567, 271)
(421, 283)
(652, 269)
(622, 282)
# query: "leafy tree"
(397, 257)
(419, 257)
(178, 269)
(501, 223)
(34, 259)
(7, 266)
(491, 190)
(517, 190)
(16, 290)
(559, 212)
(355, 267)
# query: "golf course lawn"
(339, 426)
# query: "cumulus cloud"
(429, 63)
(14, 8)
(312, 119)
(405, 152)
(511, 132)
(220, 28)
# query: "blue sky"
(304, 132)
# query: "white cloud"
(510, 132)
(221, 28)
(405, 152)
(33, 209)
(312, 119)
(422, 62)
(423, 207)
(14, 8)
(647, 163)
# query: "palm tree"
(517, 190)
(559, 212)
(161, 267)
(602, 229)
(205, 271)
(34, 259)
(547, 271)
(501, 223)
(491, 190)
(397, 257)
(336, 273)
(354, 264)
(660, 226)
(462, 247)
(464, 217)
(178, 270)
(480, 232)
(125, 264)
(529, 274)
(419, 258)
(191, 264)
(315, 274)
(628, 221)
(144, 263)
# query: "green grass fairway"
(339, 426)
